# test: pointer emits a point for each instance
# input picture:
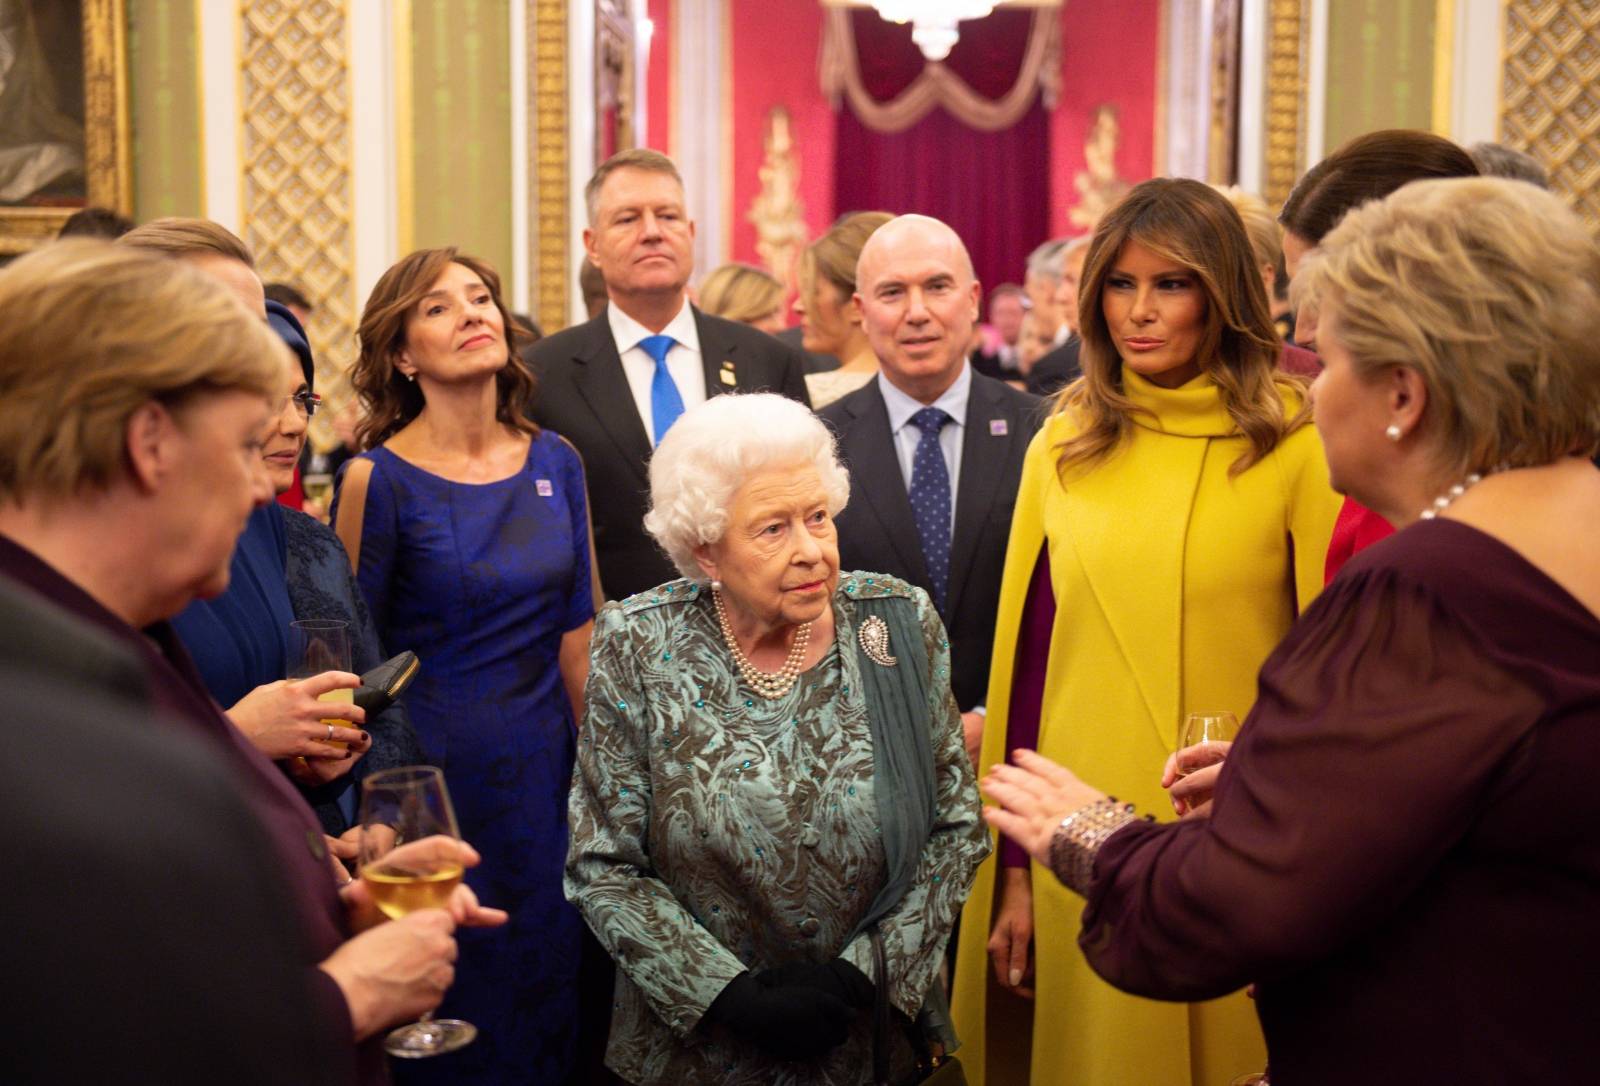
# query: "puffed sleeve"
(1376, 732)
(915, 931)
(677, 965)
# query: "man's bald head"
(919, 302)
(916, 232)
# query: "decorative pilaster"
(1550, 104)
(549, 162)
(1288, 32)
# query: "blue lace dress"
(481, 581)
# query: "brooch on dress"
(874, 637)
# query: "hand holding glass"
(316, 646)
(1204, 729)
(400, 810)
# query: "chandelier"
(933, 22)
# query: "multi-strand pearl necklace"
(766, 683)
(1442, 502)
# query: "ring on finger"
(330, 732)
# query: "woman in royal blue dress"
(469, 529)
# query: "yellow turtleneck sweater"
(1173, 582)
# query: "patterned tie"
(930, 500)
(665, 403)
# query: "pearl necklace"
(768, 684)
(1442, 502)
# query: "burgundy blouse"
(178, 692)
(1401, 852)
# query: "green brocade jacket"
(714, 831)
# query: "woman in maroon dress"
(1399, 850)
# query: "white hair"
(712, 450)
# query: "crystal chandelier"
(933, 22)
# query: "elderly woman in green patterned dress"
(770, 770)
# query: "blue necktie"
(665, 403)
(930, 500)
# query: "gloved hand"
(791, 1022)
(838, 978)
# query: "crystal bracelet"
(1077, 840)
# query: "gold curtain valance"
(840, 75)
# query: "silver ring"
(330, 731)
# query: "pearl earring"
(716, 585)
(411, 377)
(1393, 433)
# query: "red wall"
(774, 47)
(1109, 54)
(658, 79)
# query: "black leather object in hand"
(838, 978)
(789, 1021)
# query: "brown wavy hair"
(389, 402)
(1190, 224)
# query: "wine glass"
(401, 809)
(317, 645)
(1207, 728)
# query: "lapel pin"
(874, 638)
(727, 376)
(544, 488)
(997, 427)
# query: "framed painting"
(63, 115)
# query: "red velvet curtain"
(991, 187)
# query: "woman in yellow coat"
(1172, 519)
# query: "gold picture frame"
(108, 177)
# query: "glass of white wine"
(317, 645)
(318, 487)
(403, 870)
(1206, 728)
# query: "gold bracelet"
(1077, 840)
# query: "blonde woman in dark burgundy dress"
(1400, 849)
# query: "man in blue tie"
(935, 450)
(614, 385)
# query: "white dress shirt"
(906, 436)
(683, 360)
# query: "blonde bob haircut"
(741, 292)
(1263, 230)
(1193, 226)
(92, 332)
(1490, 290)
(714, 449)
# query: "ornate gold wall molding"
(1288, 31)
(1550, 105)
(777, 211)
(295, 140)
(547, 170)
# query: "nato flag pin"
(726, 375)
(997, 427)
(544, 488)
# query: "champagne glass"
(404, 871)
(1206, 728)
(318, 645)
(318, 487)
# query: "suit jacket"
(584, 397)
(877, 532)
(1056, 369)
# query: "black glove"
(791, 1022)
(838, 978)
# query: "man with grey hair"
(613, 385)
(1498, 160)
(1042, 279)
(935, 450)
(1060, 367)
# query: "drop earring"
(716, 585)
(1393, 433)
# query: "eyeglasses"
(306, 403)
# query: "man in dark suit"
(935, 450)
(614, 385)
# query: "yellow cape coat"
(1173, 582)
